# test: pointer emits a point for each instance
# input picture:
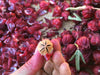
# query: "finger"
(44, 73)
(41, 72)
(48, 67)
(58, 59)
(56, 45)
(49, 63)
(55, 72)
(64, 69)
(32, 66)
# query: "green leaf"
(82, 58)
(76, 18)
(71, 18)
(77, 61)
(72, 57)
(77, 55)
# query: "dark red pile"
(20, 32)
(86, 35)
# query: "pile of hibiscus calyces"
(20, 32)
(82, 45)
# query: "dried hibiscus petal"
(83, 43)
(57, 11)
(51, 33)
(13, 1)
(65, 32)
(73, 70)
(96, 56)
(77, 34)
(42, 12)
(1, 44)
(56, 23)
(74, 3)
(97, 1)
(65, 5)
(44, 5)
(88, 13)
(97, 14)
(28, 11)
(95, 40)
(67, 39)
(84, 73)
(65, 15)
(34, 28)
(69, 51)
(87, 2)
(96, 70)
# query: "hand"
(37, 65)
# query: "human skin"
(38, 66)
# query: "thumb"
(31, 67)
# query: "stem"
(76, 46)
(76, 8)
(97, 8)
(80, 8)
